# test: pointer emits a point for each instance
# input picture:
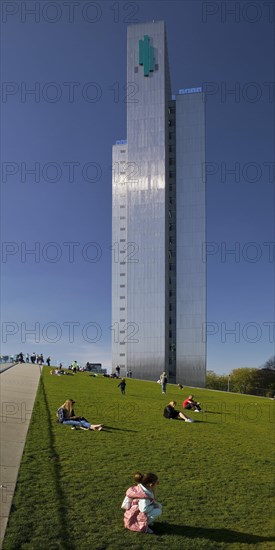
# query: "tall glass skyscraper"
(158, 272)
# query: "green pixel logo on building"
(146, 56)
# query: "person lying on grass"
(172, 413)
(57, 372)
(65, 415)
(189, 404)
(140, 506)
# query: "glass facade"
(153, 225)
(119, 258)
(190, 269)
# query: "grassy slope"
(216, 476)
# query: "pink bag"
(133, 518)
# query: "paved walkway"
(6, 366)
(18, 386)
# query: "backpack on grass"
(60, 415)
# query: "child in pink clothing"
(140, 505)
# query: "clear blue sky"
(75, 58)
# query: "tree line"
(253, 381)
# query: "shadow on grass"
(112, 429)
(64, 529)
(218, 535)
(215, 412)
(195, 421)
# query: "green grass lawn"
(216, 475)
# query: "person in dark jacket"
(122, 386)
(172, 413)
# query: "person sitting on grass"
(190, 404)
(140, 506)
(65, 415)
(172, 413)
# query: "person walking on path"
(66, 415)
(141, 508)
(163, 381)
(122, 386)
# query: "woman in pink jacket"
(141, 508)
